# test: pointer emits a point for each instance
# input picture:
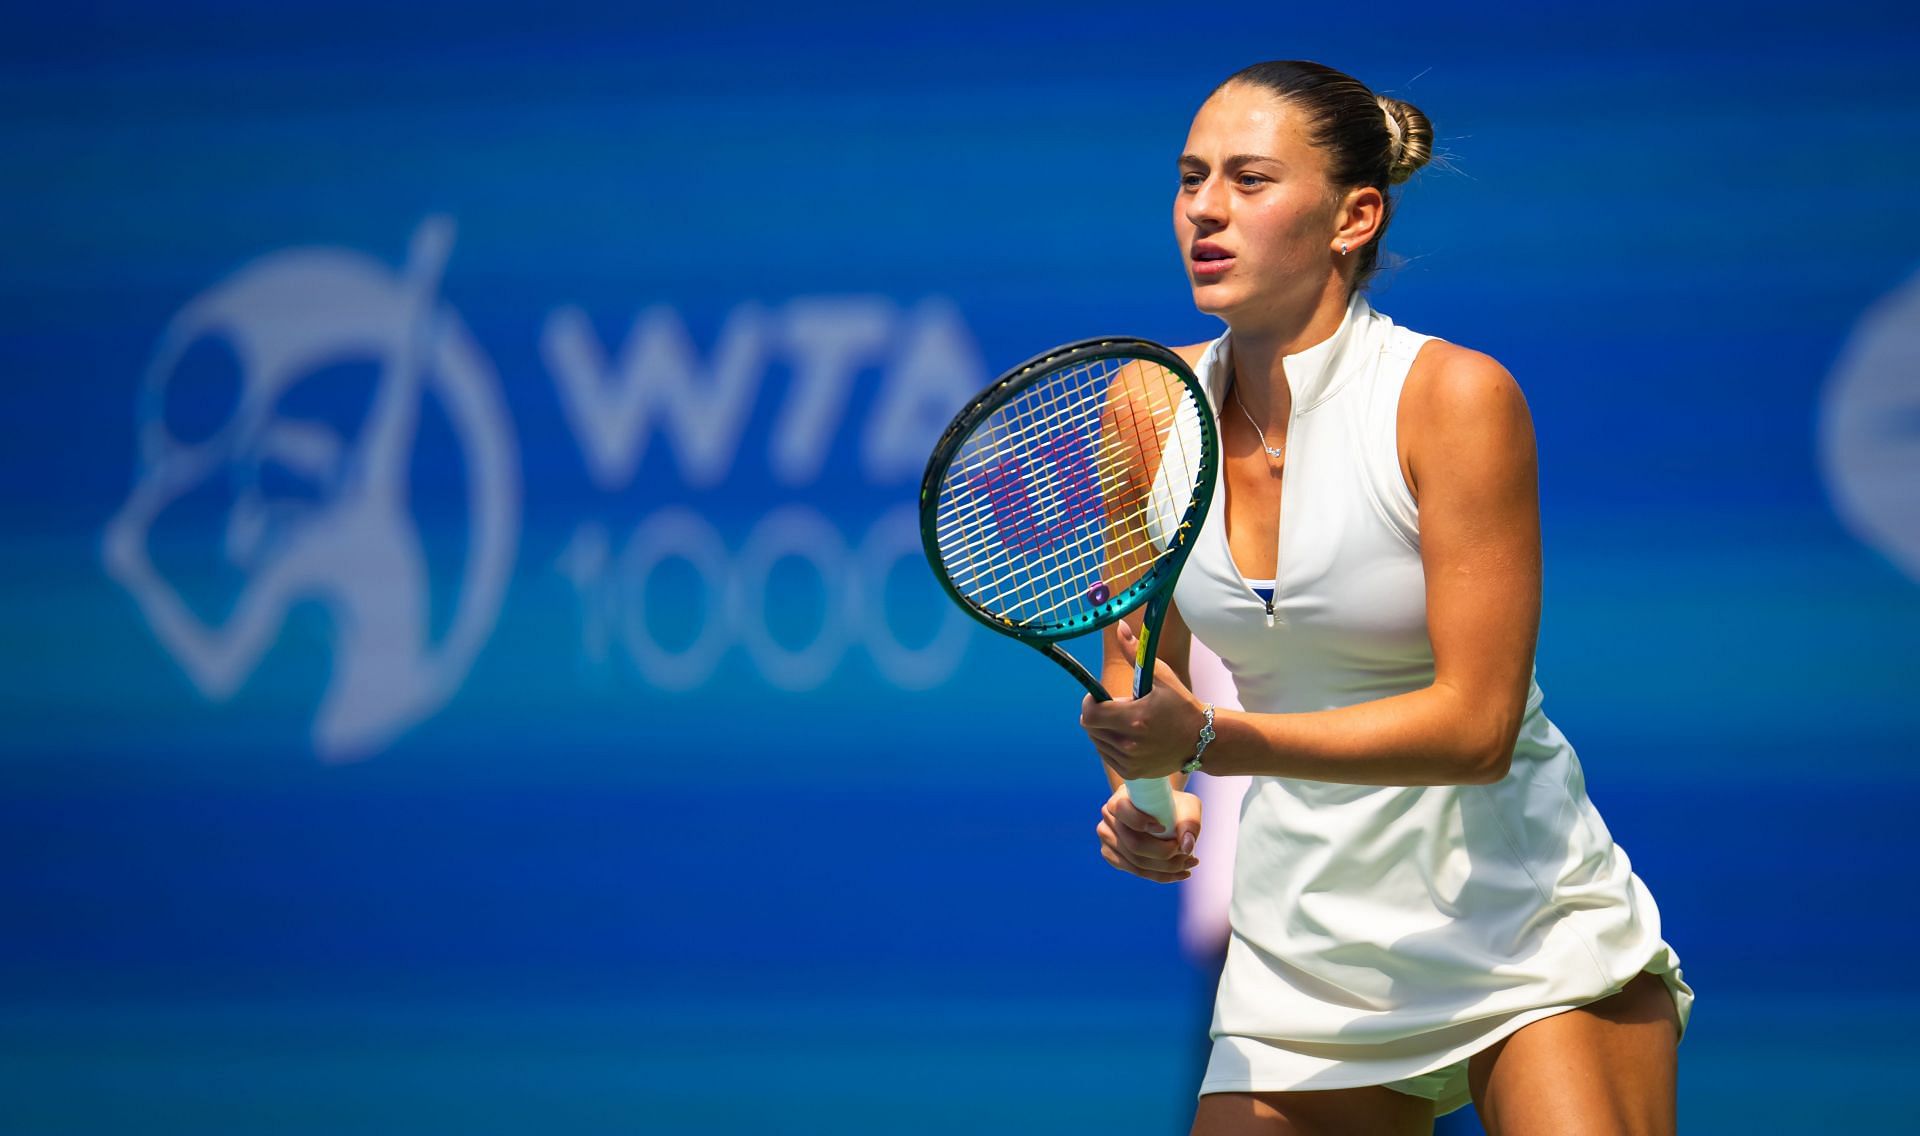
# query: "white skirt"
(1433, 1067)
(1383, 934)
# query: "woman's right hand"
(1131, 840)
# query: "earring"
(1343, 248)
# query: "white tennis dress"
(1385, 935)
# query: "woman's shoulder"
(1447, 380)
(1462, 407)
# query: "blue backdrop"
(464, 651)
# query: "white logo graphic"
(658, 390)
(350, 545)
(1870, 429)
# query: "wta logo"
(304, 509)
(344, 389)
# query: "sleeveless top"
(1379, 933)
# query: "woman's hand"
(1131, 840)
(1145, 737)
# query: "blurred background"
(466, 659)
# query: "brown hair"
(1372, 139)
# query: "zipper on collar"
(1286, 479)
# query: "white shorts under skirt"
(1251, 1065)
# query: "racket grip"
(1153, 796)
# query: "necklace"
(1274, 452)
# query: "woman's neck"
(1260, 351)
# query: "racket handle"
(1153, 796)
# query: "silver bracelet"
(1206, 737)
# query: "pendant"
(1275, 452)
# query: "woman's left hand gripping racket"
(1067, 494)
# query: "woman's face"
(1255, 216)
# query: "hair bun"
(1412, 138)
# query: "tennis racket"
(1068, 494)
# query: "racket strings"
(1070, 492)
(996, 466)
(1028, 510)
(998, 445)
(1127, 542)
(1059, 505)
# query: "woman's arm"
(1472, 465)
(1131, 840)
(1176, 642)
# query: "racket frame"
(1154, 588)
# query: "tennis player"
(1426, 907)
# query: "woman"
(1426, 906)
